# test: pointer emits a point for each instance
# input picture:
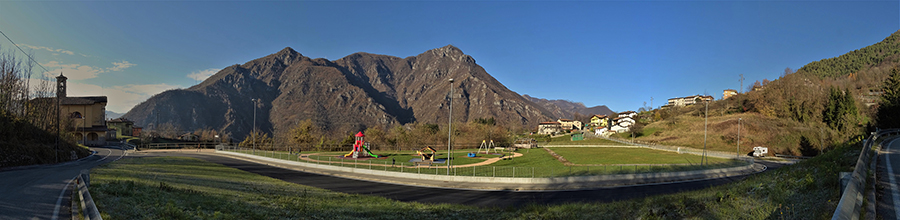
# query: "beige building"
(685, 101)
(567, 124)
(728, 93)
(550, 127)
(87, 115)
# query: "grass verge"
(186, 188)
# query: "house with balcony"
(599, 121)
(728, 93)
(686, 101)
(122, 126)
(568, 124)
(550, 127)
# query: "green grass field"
(185, 188)
(623, 155)
(533, 163)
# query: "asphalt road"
(888, 173)
(482, 198)
(35, 192)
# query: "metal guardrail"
(88, 208)
(792, 156)
(851, 201)
(184, 145)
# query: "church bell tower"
(61, 86)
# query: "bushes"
(22, 143)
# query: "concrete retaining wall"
(614, 179)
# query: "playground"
(489, 160)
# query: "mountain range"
(570, 110)
(350, 94)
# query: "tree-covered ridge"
(856, 60)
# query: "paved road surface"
(32, 193)
(458, 196)
(887, 188)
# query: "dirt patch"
(559, 158)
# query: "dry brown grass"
(779, 135)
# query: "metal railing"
(852, 198)
(480, 171)
(88, 208)
(184, 145)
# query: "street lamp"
(252, 135)
(450, 126)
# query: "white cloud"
(47, 49)
(72, 71)
(118, 66)
(201, 75)
(81, 72)
(119, 98)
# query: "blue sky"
(614, 53)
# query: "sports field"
(626, 155)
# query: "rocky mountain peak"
(353, 93)
(287, 55)
(451, 52)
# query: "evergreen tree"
(840, 110)
(888, 115)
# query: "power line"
(23, 52)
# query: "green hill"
(887, 50)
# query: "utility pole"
(60, 93)
(737, 151)
(742, 83)
(449, 127)
(651, 102)
(705, 126)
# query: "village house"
(599, 131)
(627, 114)
(567, 124)
(685, 101)
(550, 127)
(618, 128)
(123, 127)
(624, 121)
(599, 121)
(136, 131)
(728, 93)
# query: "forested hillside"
(882, 52)
(804, 112)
